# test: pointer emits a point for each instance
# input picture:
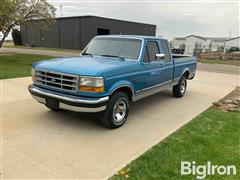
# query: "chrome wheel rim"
(119, 110)
(183, 86)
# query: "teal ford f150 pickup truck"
(111, 72)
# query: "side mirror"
(159, 56)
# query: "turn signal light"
(91, 89)
(33, 74)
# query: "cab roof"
(131, 36)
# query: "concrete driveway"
(39, 143)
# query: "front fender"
(119, 84)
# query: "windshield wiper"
(105, 55)
(87, 54)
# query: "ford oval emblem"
(53, 80)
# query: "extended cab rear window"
(122, 47)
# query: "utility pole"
(61, 13)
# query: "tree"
(16, 36)
(15, 12)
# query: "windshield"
(115, 47)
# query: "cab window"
(166, 50)
(151, 51)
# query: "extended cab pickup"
(111, 72)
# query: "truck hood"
(82, 65)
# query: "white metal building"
(8, 38)
(178, 42)
(193, 42)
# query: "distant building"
(200, 43)
(76, 32)
(233, 42)
(178, 42)
(8, 38)
(195, 42)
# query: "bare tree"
(15, 12)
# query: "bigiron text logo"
(208, 169)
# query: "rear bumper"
(69, 102)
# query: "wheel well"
(186, 74)
(127, 90)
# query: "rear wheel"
(116, 112)
(180, 89)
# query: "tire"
(180, 89)
(116, 112)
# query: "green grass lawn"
(18, 65)
(218, 61)
(212, 136)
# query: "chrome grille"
(57, 80)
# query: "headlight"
(91, 84)
(33, 74)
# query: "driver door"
(152, 64)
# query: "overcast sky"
(174, 18)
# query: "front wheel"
(116, 112)
(180, 89)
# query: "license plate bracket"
(52, 103)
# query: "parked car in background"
(178, 51)
(111, 72)
(232, 49)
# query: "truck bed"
(177, 56)
(183, 62)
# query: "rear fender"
(186, 70)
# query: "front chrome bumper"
(69, 102)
